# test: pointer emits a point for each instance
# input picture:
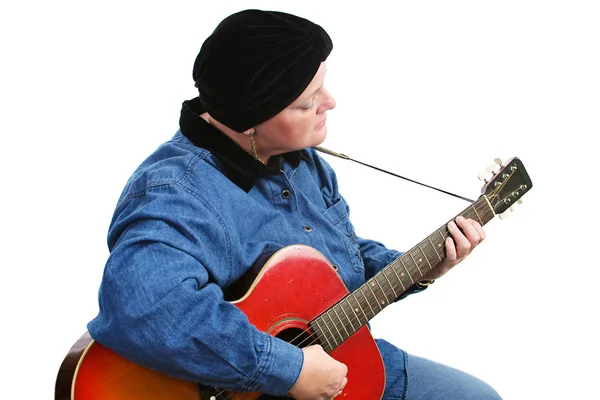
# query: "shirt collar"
(239, 166)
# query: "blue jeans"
(410, 377)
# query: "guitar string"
(312, 339)
(303, 343)
(242, 396)
(430, 251)
(306, 331)
(310, 336)
(349, 319)
(340, 322)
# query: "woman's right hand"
(321, 377)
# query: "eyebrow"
(312, 94)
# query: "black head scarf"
(256, 63)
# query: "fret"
(387, 301)
(361, 309)
(467, 214)
(340, 317)
(322, 333)
(374, 296)
(350, 325)
(389, 283)
(425, 255)
(352, 328)
(326, 327)
(477, 214)
(327, 335)
(485, 209)
(367, 300)
(434, 249)
(397, 276)
(431, 251)
(361, 323)
(341, 322)
(336, 329)
(331, 332)
(489, 209)
(442, 235)
(411, 279)
(414, 261)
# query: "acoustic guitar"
(312, 307)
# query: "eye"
(307, 107)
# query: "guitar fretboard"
(352, 312)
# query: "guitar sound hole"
(298, 337)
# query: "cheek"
(297, 127)
(304, 130)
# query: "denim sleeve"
(160, 304)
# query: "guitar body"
(294, 286)
(91, 371)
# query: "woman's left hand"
(465, 235)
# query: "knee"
(482, 391)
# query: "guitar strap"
(345, 157)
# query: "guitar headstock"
(506, 185)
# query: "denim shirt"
(190, 222)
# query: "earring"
(253, 147)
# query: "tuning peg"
(506, 213)
(491, 167)
(520, 201)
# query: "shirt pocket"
(339, 219)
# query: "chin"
(320, 136)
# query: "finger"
(450, 250)
(462, 242)
(479, 230)
(345, 368)
(343, 385)
(467, 228)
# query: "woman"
(239, 180)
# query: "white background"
(432, 90)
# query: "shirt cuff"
(279, 368)
(415, 288)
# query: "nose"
(328, 102)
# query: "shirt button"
(307, 228)
(285, 193)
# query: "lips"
(321, 125)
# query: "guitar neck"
(352, 312)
